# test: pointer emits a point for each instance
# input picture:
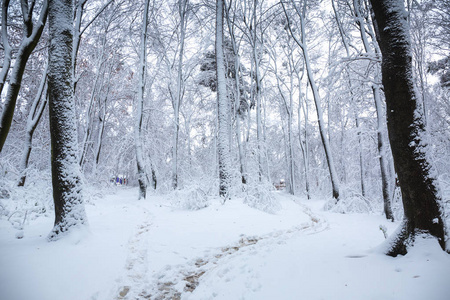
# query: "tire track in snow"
(175, 281)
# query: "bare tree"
(32, 34)
(301, 13)
(140, 105)
(176, 101)
(422, 201)
(34, 116)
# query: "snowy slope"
(151, 250)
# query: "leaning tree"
(421, 197)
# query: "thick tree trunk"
(223, 112)
(420, 193)
(140, 107)
(66, 177)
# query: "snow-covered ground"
(152, 250)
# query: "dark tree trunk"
(420, 194)
(66, 179)
(25, 49)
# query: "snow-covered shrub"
(353, 202)
(260, 196)
(24, 204)
(190, 198)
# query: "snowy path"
(151, 250)
(182, 280)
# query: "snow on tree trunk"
(27, 46)
(223, 111)
(379, 109)
(6, 47)
(89, 114)
(79, 10)
(35, 114)
(421, 197)
(142, 178)
(66, 177)
(302, 43)
(101, 131)
(259, 134)
(237, 100)
(382, 154)
(182, 5)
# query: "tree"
(302, 44)
(31, 36)
(422, 201)
(223, 109)
(140, 105)
(374, 55)
(34, 116)
(66, 177)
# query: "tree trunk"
(223, 111)
(35, 114)
(237, 101)
(27, 46)
(6, 47)
(259, 134)
(382, 154)
(66, 177)
(378, 107)
(140, 107)
(182, 5)
(329, 156)
(421, 197)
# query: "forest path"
(134, 277)
(176, 281)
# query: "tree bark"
(223, 111)
(66, 177)
(421, 197)
(140, 106)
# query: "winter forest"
(200, 149)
